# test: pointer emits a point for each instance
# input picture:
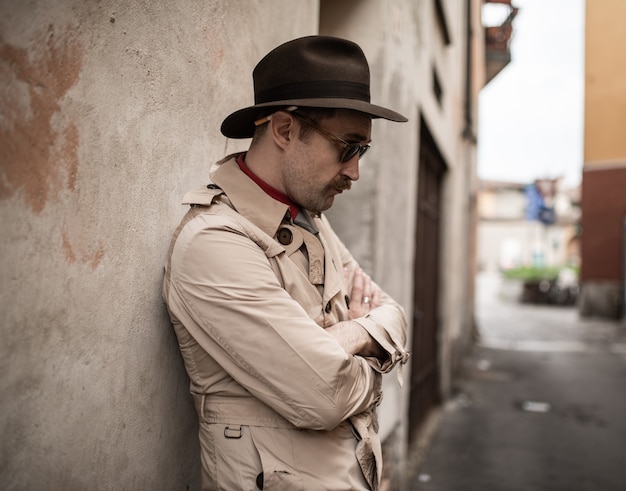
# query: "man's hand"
(356, 340)
(363, 296)
(351, 335)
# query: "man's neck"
(270, 190)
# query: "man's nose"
(350, 169)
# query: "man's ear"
(282, 128)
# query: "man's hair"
(315, 114)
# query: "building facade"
(511, 236)
(604, 172)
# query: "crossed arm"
(352, 337)
(237, 320)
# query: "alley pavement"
(540, 404)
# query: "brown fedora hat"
(313, 71)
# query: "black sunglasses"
(350, 149)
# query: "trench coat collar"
(247, 197)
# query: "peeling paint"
(36, 157)
(76, 250)
(68, 155)
(67, 248)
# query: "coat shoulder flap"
(213, 200)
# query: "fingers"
(363, 296)
(361, 287)
(366, 299)
(356, 295)
(376, 302)
(346, 276)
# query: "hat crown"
(313, 71)
(312, 67)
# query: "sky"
(531, 114)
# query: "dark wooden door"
(425, 367)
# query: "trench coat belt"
(246, 411)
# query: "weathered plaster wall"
(109, 112)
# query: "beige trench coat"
(280, 404)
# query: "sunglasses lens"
(351, 151)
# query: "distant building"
(522, 224)
(604, 171)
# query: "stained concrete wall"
(110, 111)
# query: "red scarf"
(274, 193)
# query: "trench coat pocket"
(279, 472)
(230, 460)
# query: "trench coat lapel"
(333, 271)
(248, 198)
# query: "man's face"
(313, 173)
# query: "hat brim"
(240, 124)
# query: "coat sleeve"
(386, 323)
(223, 290)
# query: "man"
(283, 336)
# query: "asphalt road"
(541, 404)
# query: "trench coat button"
(328, 308)
(259, 481)
(347, 298)
(285, 237)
